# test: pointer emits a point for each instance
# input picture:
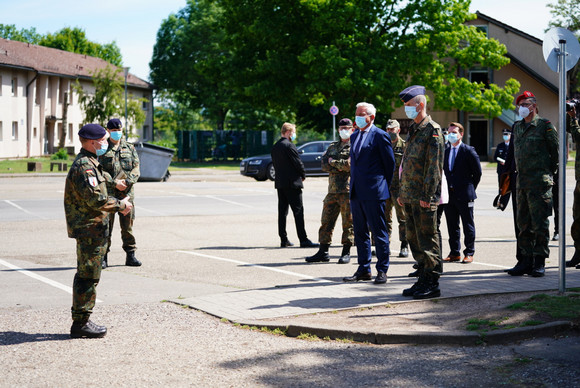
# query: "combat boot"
(321, 255)
(345, 255)
(538, 268)
(523, 267)
(87, 329)
(404, 251)
(105, 264)
(131, 260)
(417, 272)
(430, 288)
(419, 284)
(574, 261)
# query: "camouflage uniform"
(122, 162)
(574, 129)
(337, 199)
(86, 205)
(536, 156)
(398, 149)
(421, 180)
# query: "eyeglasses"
(526, 104)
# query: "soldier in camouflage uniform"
(336, 162)
(122, 163)
(420, 191)
(399, 146)
(536, 156)
(574, 129)
(86, 205)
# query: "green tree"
(9, 31)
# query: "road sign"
(334, 110)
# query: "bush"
(61, 154)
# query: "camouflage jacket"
(423, 163)
(339, 168)
(398, 149)
(121, 162)
(573, 128)
(86, 202)
(535, 152)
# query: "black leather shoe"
(523, 267)
(286, 243)
(131, 260)
(357, 276)
(308, 244)
(404, 251)
(345, 255)
(105, 264)
(320, 256)
(574, 261)
(427, 292)
(381, 278)
(87, 329)
(414, 288)
(538, 269)
(413, 275)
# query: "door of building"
(478, 135)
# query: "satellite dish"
(551, 48)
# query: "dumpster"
(154, 161)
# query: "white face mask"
(452, 137)
(524, 112)
(344, 134)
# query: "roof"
(50, 61)
(507, 27)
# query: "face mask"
(293, 137)
(116, 135)
(393, 135)
(344, 134)
(101, 151)
(506, 137)
(524, 112)
(361, 121)
(411, 112)
(446, 137)
(452, 137)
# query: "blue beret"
(92, 132)
(411, 92)
(114, 124)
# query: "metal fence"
(222, 145)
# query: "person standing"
(420, 192)
(463, 173)
(501, 151)
(122, 163)
(536, 157)
(372, 164)
(399, 146)
(288, 183)
(336, 161)
(573, 128)
(86, 206)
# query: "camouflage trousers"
(335, 203)
(534, 208)
(127, 236)
(401, 218)
(423, 236)
(575, 231)
(90, 252)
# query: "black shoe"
(578, 266)
(357, 277)
(381, 278)
(345, 255)
(308, 244)
(574, 261)
(404, 251)
(538, 269)
(320, 256)
(105, 264)
(87, 329)
(131, 260)
(523, 267)
(429, 291)
(414, 274)
(414, 288)
(286, 243)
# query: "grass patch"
(228, 165)
(20, 166)
(483, 325)
(556, 306)
(308, 337)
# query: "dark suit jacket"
(371, 169)
(466, 172)
(501, 152)
(288, 165)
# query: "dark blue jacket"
(462, 181)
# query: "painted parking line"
(299, 275)
(23, 210)
(33, 275)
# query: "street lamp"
(126, 70)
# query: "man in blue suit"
(372, 164)
(463, 173)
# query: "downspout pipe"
(29, 114)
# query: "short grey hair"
(370, 108)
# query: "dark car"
(261, 168)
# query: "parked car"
(261, 167)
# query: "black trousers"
(454, 210)
(291, 198)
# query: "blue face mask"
(116, 135)
(506, 137)
(293, 137)
(446, 137)
(452, 138)
(411, 112)
(101, 151)
(361, 121)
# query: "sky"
(133, 24)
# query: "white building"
(34, 81)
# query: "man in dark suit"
(288, 182)
(372, 164)
(500, 155)
(463, 173)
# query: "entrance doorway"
(478, 135)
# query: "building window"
(483, 29)
(15, 130)
(70, 131)
(479, 75)
(70, 95)
(34, 132)
(14, 87)
(145, 102)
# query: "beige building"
(35, 81)
(527, 66)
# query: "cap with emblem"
(393, 124)
(411, 92)
(92, 132)
(507, 131)
(345, 122)
(523, 96)
(114, 124)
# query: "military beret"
(523, 96)
(345, 122)
(92, 132)
(114, 124)
(393, 124)
(411, 92)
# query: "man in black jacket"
(288, 182)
